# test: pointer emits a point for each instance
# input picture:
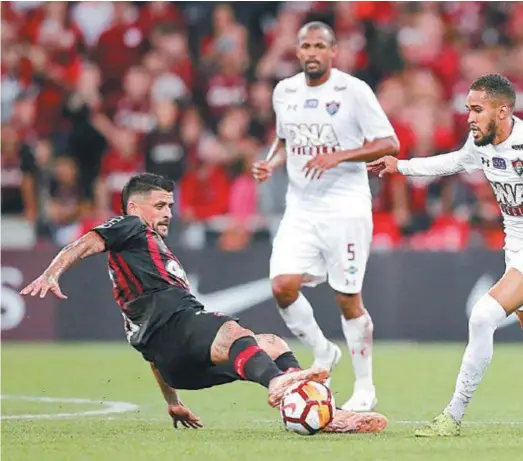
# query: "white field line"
(111, 407)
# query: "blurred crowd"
(95, 92)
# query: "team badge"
(518, 166)
(332, 107)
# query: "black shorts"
(181, 350)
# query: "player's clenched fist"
(261, 171)
(383, 166)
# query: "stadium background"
(94, 92)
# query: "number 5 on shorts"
(351, 250)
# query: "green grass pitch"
(413, 381)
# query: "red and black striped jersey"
(140, 264)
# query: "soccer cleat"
(350, 422)
(328, 360)
(362, 400)
(442, 425)
(279, 385)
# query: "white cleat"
(361, 401)
(328, 360)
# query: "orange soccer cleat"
(357, 423)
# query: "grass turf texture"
(414, 382)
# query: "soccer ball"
(307, 408)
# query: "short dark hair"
(318, 25)
(144, 183)
(496, 86)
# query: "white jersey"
(340, 114)
(502, 165)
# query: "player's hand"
(180, 414)
(261, 171)
(42, 285)
(318, 165)
(383, 166)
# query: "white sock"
(358, 334)
(299, 318)
(486, 315)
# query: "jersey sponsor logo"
(176, 270)
(293, 107)
(332, 107)
(509, 198)
(485, 161)
(517, 147)
(311, 104)
(290, 90)
(499, 163)
(314, 135)
(517, 164)
(340, 88)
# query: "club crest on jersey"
(518, 166)
(332, 107)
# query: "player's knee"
(239, 332)
(285, 289)
(225, 338)
(481, 317)
(351, 305)
(273, 345)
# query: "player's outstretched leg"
(357, 328)
(238, 346)
(298, 315)
(503, 299)
(346, 422)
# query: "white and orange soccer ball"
(307, 408)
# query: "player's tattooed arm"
(170, 395)
(176, 409)
(87, 245)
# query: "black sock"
(251, 362)
(287, 360)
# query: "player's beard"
(489, 137)
(314, 74)
(163, 231)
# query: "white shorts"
(323, 247)
(514, 260)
